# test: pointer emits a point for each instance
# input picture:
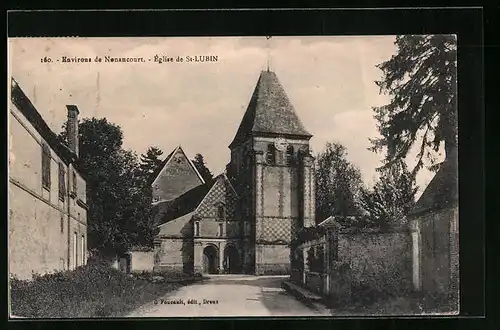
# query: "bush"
(88, 291)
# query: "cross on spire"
(268, 38)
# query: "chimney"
(73, 128)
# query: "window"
(221, 229)
(82, 248)
(75, 251)
(271, 154)
(46, 166)
(220, 212)
(289, 155)
(248, 159)
(74, 182)
(62, 224)
(197, 228)
(62, 184)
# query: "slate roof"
(269, 111)
(22, 102)
(155, 174)
(186, 203)
(441, 192)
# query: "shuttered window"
(45, 166)
(62, 182)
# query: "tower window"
(271, 154)
(74, 182)
(289, 155)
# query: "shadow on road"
(272, 295)
(274, 282)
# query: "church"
(243, 221)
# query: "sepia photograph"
(278, 176)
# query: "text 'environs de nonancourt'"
(155, 59)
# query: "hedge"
(88, 291)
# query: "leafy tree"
(338, 183)
(118, 211)
(199, 163)
(391, 198)
(421, 79)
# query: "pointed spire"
(269, 112)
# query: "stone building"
(434, 225)
(47, 193)
(243, 221)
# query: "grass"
(368, 301)
(89, 291)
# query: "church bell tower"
(273, 172)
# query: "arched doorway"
(232, 259)
(210, 259)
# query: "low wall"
(315, 282)
(141, 261)
(381, 261)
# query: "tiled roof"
(441, 192)
(158, 170)
(269, 111)
(185, 203)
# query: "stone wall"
(169, 255)
(439, 252)
(141, 261)
(41, 225)
(272, 259)
(315, 282)
(381, 261)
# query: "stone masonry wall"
(381, 261)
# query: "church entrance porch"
(210, 260)
(232, 264)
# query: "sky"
(329, 80)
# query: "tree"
(391, 198)
(338, 183)
(421, 79)
(199, 163)
(150, 162)
(118, 209)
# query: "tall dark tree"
(338, 183)
(421, 79)
(199, 163)
(392, 197)
(150, 162)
